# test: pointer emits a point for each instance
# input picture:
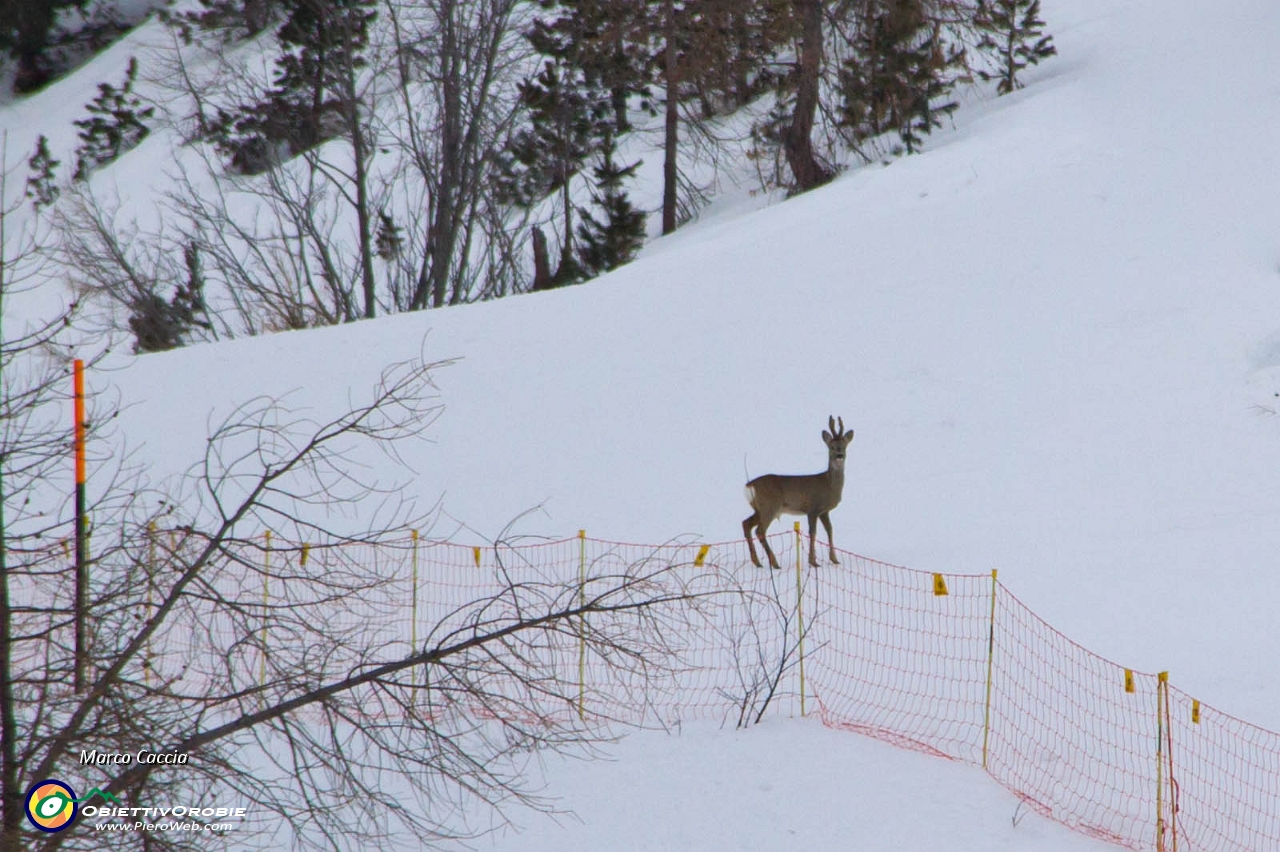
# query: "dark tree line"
(47, 38)
(26, 34)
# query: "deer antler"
(840, 431)
(831, 426)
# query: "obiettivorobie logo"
(52, 804)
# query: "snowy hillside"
(1056, 333)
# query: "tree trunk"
(618, 98)
(32, 20)
(672, 138)
(11, 808)
(11, 799)
(806, 169)
(363, 218)
(568, 219)
(256, 16)
(443, 232)
(541, 261)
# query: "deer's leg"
(746, 531)
(831, 545)
(813, 537)
(760, 534)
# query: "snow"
(785, 784)
(1056, 334)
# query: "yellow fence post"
(1173, 786)
(800, 612)
(991, 653)
(413, 607)
(1162, 683)
(582, 624)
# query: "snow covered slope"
(787, 784)
(1056, 334)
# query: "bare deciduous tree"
(458, 62)
(151, 285)
(35, 481)
(765, 635)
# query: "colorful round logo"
(51, 805)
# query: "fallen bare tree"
(283, 678)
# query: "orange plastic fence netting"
(952, 665)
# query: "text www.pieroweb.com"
(162, 819)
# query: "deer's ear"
(826, 436)
(848, 436)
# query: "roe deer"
(813, 495)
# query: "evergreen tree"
(322, 44)
(26, 27)
(116, 124)
(232, 19)
(901, 69)
(565, 116)
(608, 42)
(389, 241)
(388, 246)
(1013, 32)
(42, 187)
(605, 245)
(158, 325)
(732, 50)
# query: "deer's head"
(836, 440)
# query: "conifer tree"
(322, 44)
(26, 29)
(322, 41)
(607, 244)
(116, 124)
(42, 187)
(733, 48)
(564, 119)
(159, 325)
(233, 18)
(389, 241)
(1013, 32)
(608, 41)
(901, 69)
